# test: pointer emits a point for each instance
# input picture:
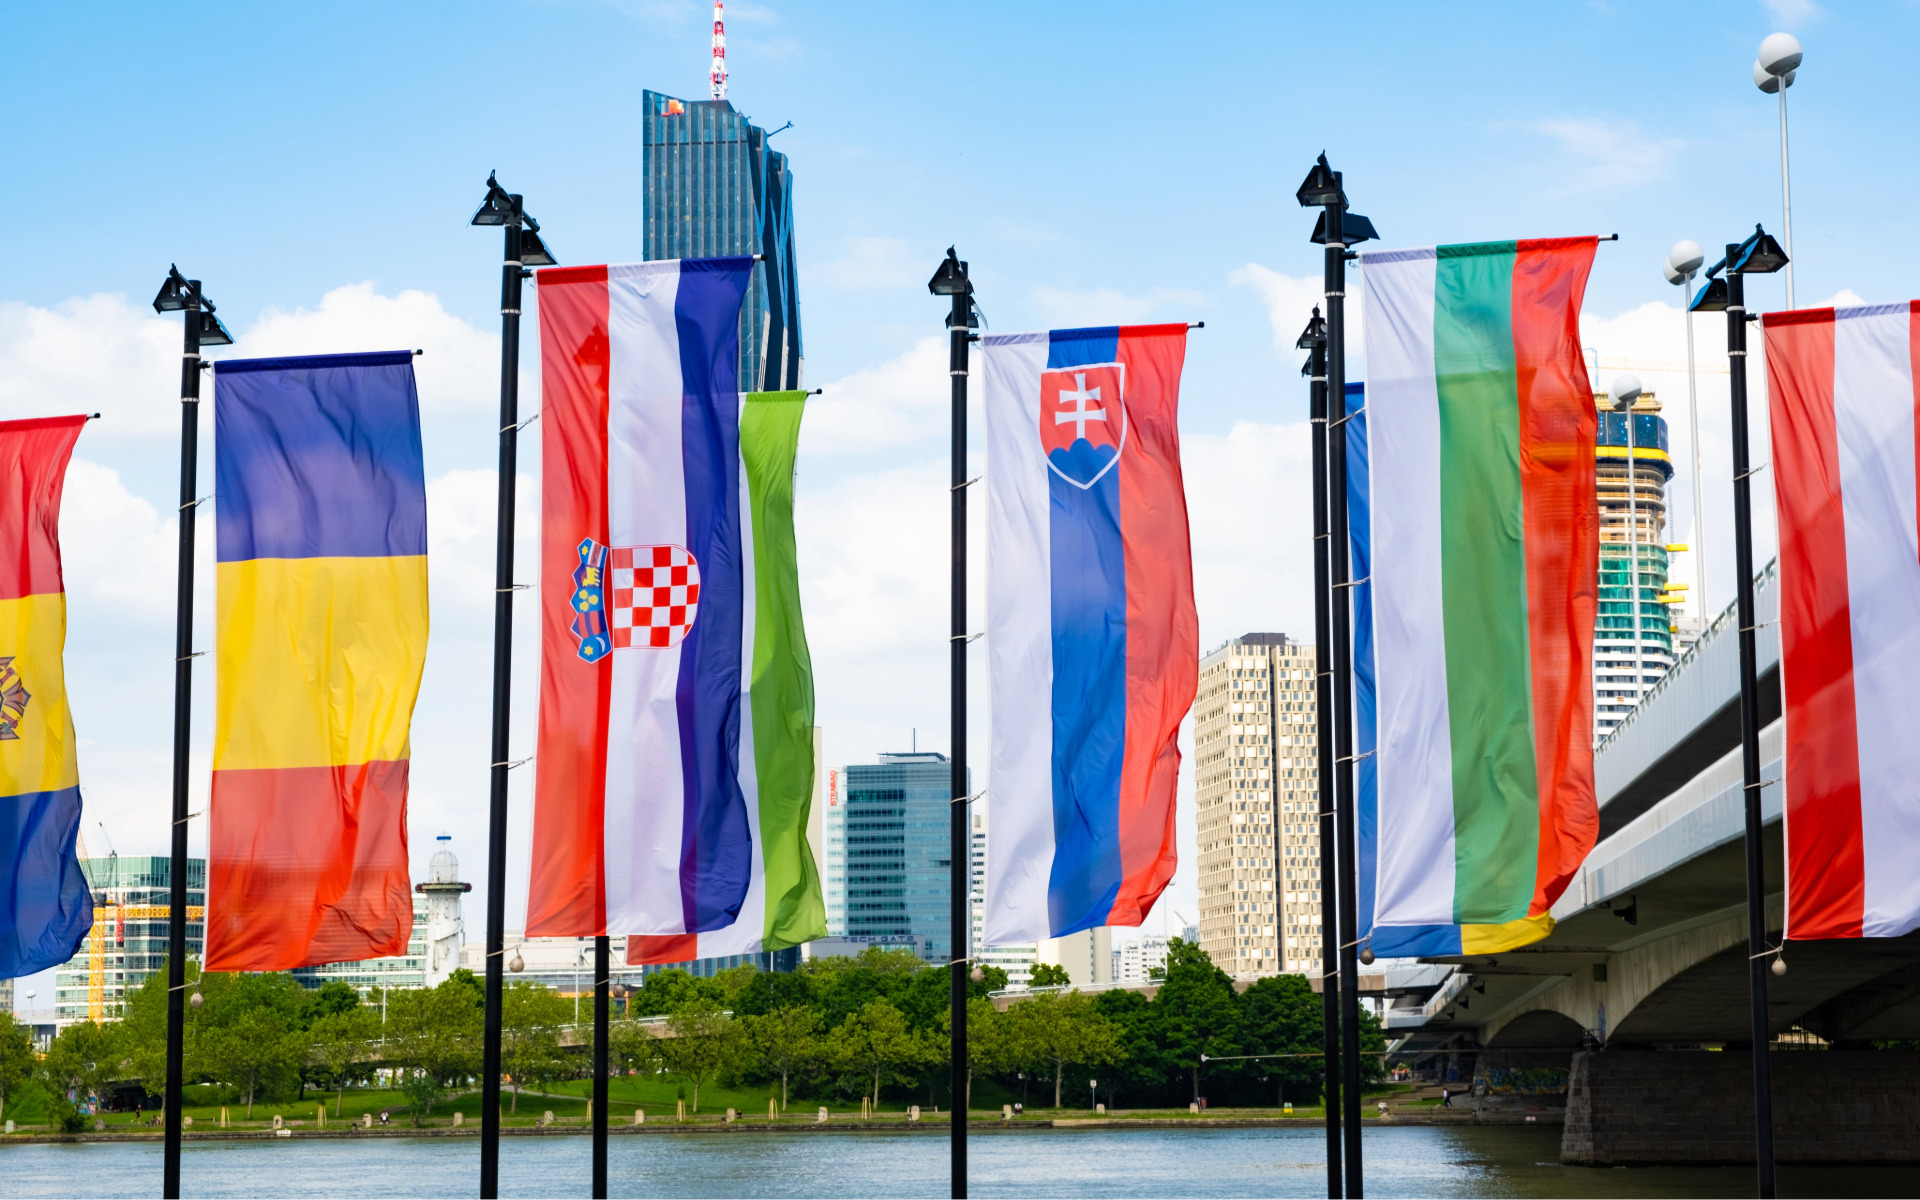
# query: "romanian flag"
(322, 637)
(1484, 582)
(45, 907)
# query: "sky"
(1103, 163)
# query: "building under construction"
(128, 941)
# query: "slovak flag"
(1842, 386)
(1092, 639)
(640, 819)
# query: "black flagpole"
(1314, 341)
(179, 294)
(602, 970)
(951, 280)
(1737, 263)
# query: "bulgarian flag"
(1484, 573)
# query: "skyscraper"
(897, 853)
(128, 942)
(1629, 660)
(1256, 801)
(713, 188)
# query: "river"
(1414, 1161)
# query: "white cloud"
(1066, 309)
(1290, 302)
(902, 400)
(1601, 153)
(115, 549)
(92, 354)
(1793, 12)
(871, 264)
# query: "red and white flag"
(1841, 382)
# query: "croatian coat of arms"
(13, 701)
(632, 597)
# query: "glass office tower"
(132, 898)
(714, 188)
(1634, 594)
(898, 851)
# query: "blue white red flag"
(641, 822)
(1091, 632)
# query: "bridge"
(1645, 976)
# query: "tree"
(665, 992)
(434, 1037)
(1142, 1064)
(877, 1043)
(530, 1019)
(17, 1060)
(770, 991)
(342, 1043)
(1194, 1012)
(695, 1047)
(989, 1046)
(1062, 1030)
(780, 1043)
(1048, 975)
(78, 1064)
(1281, 1015)
(256, 1050)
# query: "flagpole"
(951, 280)
(182, 295)
(1314, 341)
(1757, 948)
(602, 970)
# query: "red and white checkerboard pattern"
(652, 595)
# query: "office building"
(1016, 960)
(1256, 804)
(132, 898)
(1087, 955)
(714, 188)
(1627, 660)
(1136, 961)
(408, 970)
(889, 828)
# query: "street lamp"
(1683, 263)
(201, 328)
(1773, 73)
(1621, 395)
(523, 247)
(1758, 255)
(1337, 229)
(1093, 1093)
(951, 281)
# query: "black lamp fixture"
(1313, 337)
(501, 207)
(1760, 254)
(951, 279)
(1321, 188)
(180, 294)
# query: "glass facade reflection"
(1633, 633)
(898, 850)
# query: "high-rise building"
(1631, 649)
(1016, 960)
(1137, 960)
(1256, 804)
(1087, 954)
(893, 875)
(132, 898)
(714, 188)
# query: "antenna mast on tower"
(719, 76)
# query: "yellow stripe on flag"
(39, 756)
(1493, 939)
(319, 660)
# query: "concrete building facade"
(1256, 781)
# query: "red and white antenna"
(719, 76)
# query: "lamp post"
(1621, 395)
(1313, 339)
(201, 328)
(523, 248)
(1336, 230)
(950, 280)
(602, 1004)
(1773, 73)
(1758, 255)
(1683, 263)
(1093, 1093)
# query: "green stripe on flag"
(782, 674)
(1483, 585)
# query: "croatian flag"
(1091, 633)
(1841, 383)
(641, 791)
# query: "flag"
(321, 541)
(674, 760)
(46, 907)
(1841, 386)
(1091, 633)
(1485, 537)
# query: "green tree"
(770, 991)
(530, 1020)
(78, 1064)
(433, 1034)
(668, 991)
(17, 1060)
(1048, 975)
(1194, 1013)
(847, 985)
(1142, 1066)
(1281, 1015)
(779, 1043)
(876, 1043)
(342, 1044)
(255, 1050)
(1060, 1030)
(695, 1047)
(989, 1042)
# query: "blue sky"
(316, 166)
